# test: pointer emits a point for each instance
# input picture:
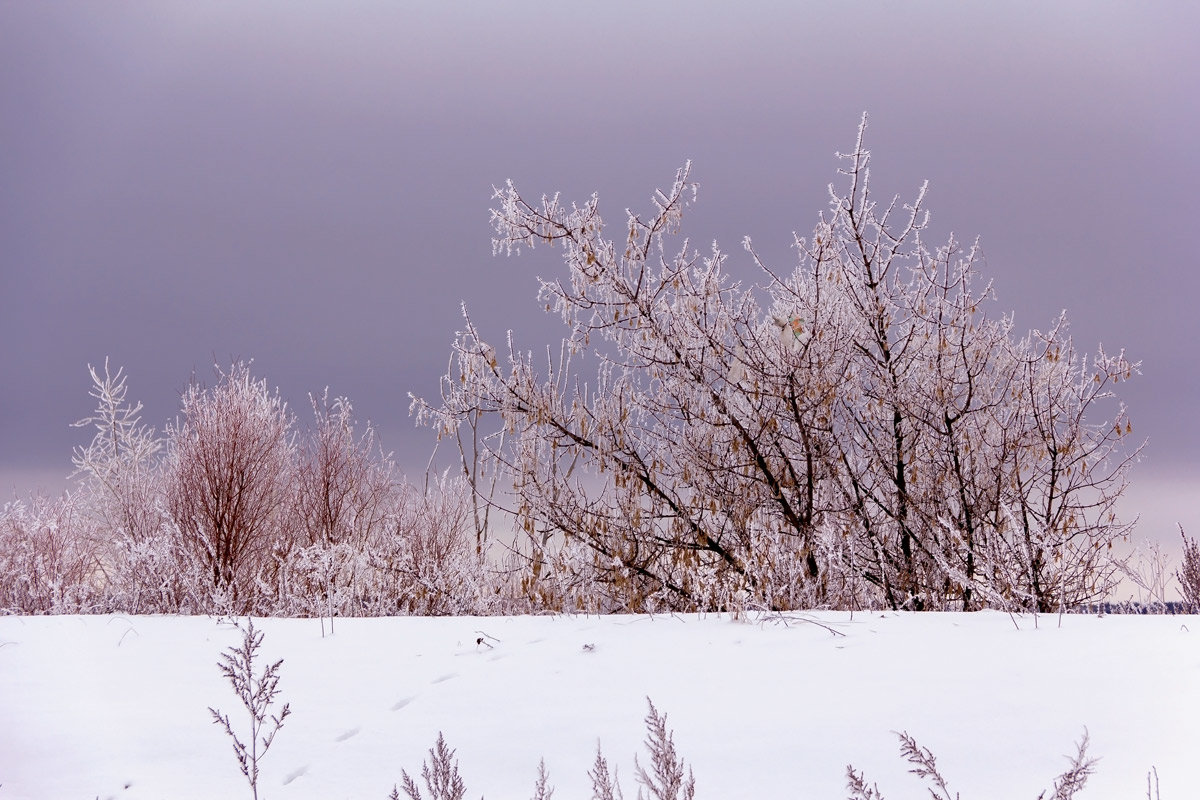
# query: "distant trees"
(861, 429)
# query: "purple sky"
(308, 185)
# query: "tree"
(230, 466)
(122, 494)
(119, 464)
(858, 429)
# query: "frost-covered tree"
(118, 465)
(143, 566)
(859, 429)
(964, 451)
(230, 467)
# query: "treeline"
(864, 430)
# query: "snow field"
(117, 706)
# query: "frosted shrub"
(119, 469)
(346, 486)
(320, 580)
(863, 428)
(229, 470)
(429, 564)
(232, 511)
(156, 574)
(418, 558)
(1148, 568)
(569, 577)
(120, 493)
(1188, 574)
(48, 559)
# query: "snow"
(771, 707)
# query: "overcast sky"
(307, 185)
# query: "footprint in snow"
(444, 678)
(296, 773)
(344, 735)
(401, 703)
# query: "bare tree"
(951, 432)
(230, 466)
(861, 421)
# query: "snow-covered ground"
(770, 708)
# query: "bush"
(864, 430)
(227, 480)
(236, 511)
(49, 560)
(1189, 571)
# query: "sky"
(307, 185)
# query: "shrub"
(1189, 571)
(864, 424)
(49, 560)
(228, 475)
